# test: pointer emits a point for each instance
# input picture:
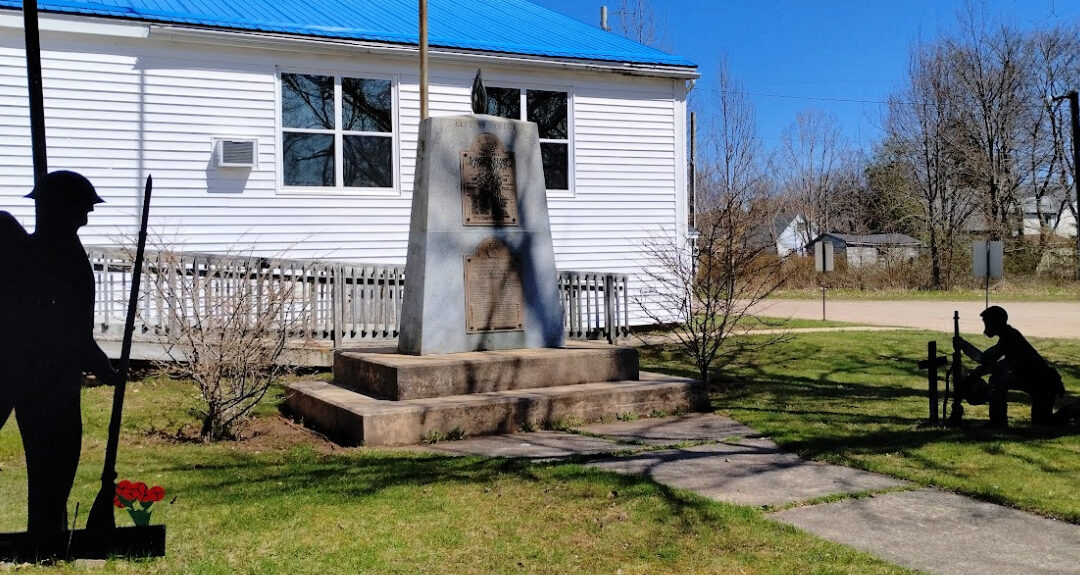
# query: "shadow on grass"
(306, 476)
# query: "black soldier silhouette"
(1011, 363)
(47, 337)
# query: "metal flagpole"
(33, 82)
(423, 60)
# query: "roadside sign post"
(823, 263)
(987, 261)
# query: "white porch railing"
(335, 302)
(595, 305)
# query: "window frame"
(339, 189)
(523, 88)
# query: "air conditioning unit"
(236, 152)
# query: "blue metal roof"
(508, 26)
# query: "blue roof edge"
(145, 14)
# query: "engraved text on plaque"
(488, 188)
(493, 295)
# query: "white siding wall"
(120, 108)
(1066, 227)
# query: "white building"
(866, 250)
(790, 233)
(1057, 217)
(326, 94)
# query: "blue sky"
(798, 54)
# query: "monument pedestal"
(481, 346)
(385, 398)
(390, 375)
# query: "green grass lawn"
(765, 322)
(755, 322)
(847, 398)
(284, 501)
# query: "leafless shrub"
(225, 321)
(703, 290)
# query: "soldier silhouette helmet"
(995, 315)
(66, 187)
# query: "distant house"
(789, 233)
(1054, 215)
(871, 249)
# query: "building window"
(548, 109)
(336, 132)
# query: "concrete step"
(357, 419)
(387, 374)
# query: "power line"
(824, 99)
(793, 97)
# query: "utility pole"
(693, 170)
(1074, 112)
(33, 82)
(423, 61)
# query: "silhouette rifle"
(957, 370)
(101, 518)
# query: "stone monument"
(480, 273)
(481, 311)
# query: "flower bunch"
(129, 494)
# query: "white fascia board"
(294, 42)
(75, 24)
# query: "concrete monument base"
(395, 399)
(353, 418)
(391, 375)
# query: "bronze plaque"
(493, 295)
(488, 188)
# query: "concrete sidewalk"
(719, 458)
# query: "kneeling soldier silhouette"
(48, 341)
(1012, 363)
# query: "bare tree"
(987, 66)
(704, 288)
(1046, 164)
(638, 22)
(921, 129)
(811, 151)
(733, 146)
(850, 204)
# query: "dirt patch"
(277, 432)
(261, 434)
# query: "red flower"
(141, 492)
(130, 491)
(116, 501)
(156, 493)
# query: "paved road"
(1041, 319)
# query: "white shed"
(865, 250)
(317, 105)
